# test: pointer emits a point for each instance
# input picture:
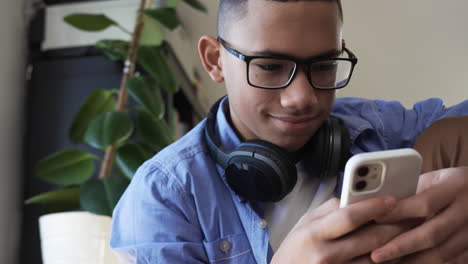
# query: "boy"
(281, 62)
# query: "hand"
(442, 201)
(333, 235)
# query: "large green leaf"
(154, 132)
(100, 196)
(172, 3)
(115, 50)
(58, 201)
(197, 5)
(100, 101)
(108, 129)
(155, 64)
(93, 197)
(152, 34)
(167, 16)
(90, 22)
(130, 156)
(66, 167)
(146, 92)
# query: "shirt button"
(262, 223)
(225, 246)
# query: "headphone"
(261, 171)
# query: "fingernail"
(380, 256)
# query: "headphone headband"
(212, 141)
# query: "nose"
(299, 95)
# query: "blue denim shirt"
(180, 209)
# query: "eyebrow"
(323, 55)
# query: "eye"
(270, 67)
(324, 66)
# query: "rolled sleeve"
(378, 124)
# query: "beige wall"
(185, 40)
(408, 50)
(11, 89)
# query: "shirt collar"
(227, 136)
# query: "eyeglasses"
(269, 72)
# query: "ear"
(209, 51)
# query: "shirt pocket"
(229, 249)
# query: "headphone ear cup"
(252, 179)
(335, 148)
(317, 152)
(258, 170)
(345, 143)
(329, 149)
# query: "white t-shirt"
(308, 193)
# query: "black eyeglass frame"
(298, 62)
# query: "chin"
(292, 145)
(293, 148)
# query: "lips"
(294, 119)
(294, 122)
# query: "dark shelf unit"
(59, 83)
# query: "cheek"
(248, 99)
(326, 99)
(234, 71)
(253, 103)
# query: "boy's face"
(287, 117)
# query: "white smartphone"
(389, 172)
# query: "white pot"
(76, 238)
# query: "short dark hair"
(231, 10)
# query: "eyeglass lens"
(276, 73)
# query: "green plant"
(125, 134)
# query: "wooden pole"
(128, 72)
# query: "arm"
(155, 222)
(378, 125)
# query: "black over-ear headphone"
(261, 171)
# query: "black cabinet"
(60, 82)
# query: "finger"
(451, 251)
(325, 209)
(426, 236)
(365, 239)
(367, 260)
(422, 205)
(429, 179)
(460, 259)
(361, 260)
(345, 220)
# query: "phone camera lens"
(360, 185)
(363, 171)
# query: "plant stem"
(124, 30)
(128, 72)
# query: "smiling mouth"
(294, 123)
(295, 120)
